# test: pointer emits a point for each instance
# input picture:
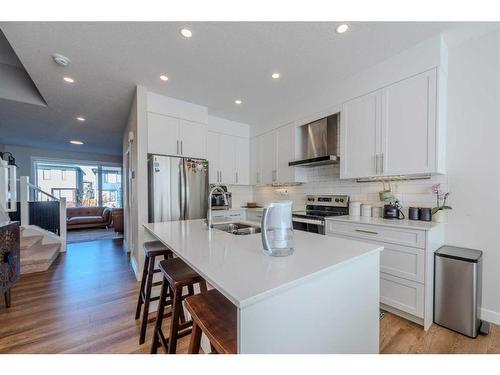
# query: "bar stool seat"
(176, 276)
(215, 316)
(152, 250)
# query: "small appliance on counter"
(425, 214)
(366, 210)
(393, 211)
(218, 202)
(277, 229)
(355, 208)
(414, 213)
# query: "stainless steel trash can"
(457, 289)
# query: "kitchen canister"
(366, 210)
(377, 211)
(425, 214)
(414, 213)
(355, 208)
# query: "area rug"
(85, 235)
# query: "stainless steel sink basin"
(237, 228)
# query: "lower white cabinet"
(406, 264)
(229, 214)
(254, 215)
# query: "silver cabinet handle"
(366, 231)
(177, 152)
(181, 147)
(274, 175)
(220, 176)
(236, 177)
(376, 163)
(381, 163)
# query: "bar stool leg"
(194, 342)
(6, 296)
(140, 301)
(149, 286)
(165, 291)
(174, 326)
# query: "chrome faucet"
(209, 211)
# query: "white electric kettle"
(277, 229)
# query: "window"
(82, 185)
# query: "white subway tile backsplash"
(325, 180)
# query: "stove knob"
(336, 200)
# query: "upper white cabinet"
(359, 133)
(172, 136)
(228, 158)
(409, 126)
(393, 131)
(255, 172)
(270, 154)
(242, 160)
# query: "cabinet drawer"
(405, 262)
(402, 294)
(406, 237)
(230, 215)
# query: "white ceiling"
(220, 63)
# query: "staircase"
(39, 249)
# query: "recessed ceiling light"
(342, 28)
(275, 75)
(69, 79)
(186, 33)
(238, 101)
(60, 59)
(163, 77)
(76, 142)
(81, 119)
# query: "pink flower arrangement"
(441, 198)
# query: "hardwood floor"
(400, 336)
(85, 303)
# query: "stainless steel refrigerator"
(178, 188)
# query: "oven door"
(309, 225)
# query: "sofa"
(88, 217)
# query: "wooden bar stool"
(152, 250)
(215, 316)
(176, 276)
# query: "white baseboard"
(490, 316)
(133, 263)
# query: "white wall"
(474, 157)
(136, 213)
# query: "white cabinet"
(394, 130)
(409, 126)
(270, 155)
(254, 215)
(172, 136)
(224, 215)
(228, 158)
(255, 158)
(193, 139)
(163, 134)
(360, 140)
(406, 264)
(242, 160)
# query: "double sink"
(238, 229)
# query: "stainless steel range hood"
(319, 143)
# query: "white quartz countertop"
(238, 268)
(395, 223)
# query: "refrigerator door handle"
(186, 191)
(181, 189)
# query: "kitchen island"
(322, 299)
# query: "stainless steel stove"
(318, 207)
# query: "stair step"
(30, 241)
(39, 257)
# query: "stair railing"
(25, 189)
